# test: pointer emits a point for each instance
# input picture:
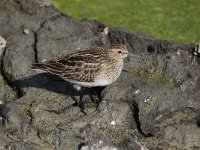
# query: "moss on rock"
(156, 77)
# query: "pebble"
(26, 31)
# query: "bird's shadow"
(56, 84)
(47, 81)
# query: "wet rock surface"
(154, 104)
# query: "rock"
(2, 45)
(170, 136)
(99, 145)
(6, 92)
(153, 105)
(57, 33)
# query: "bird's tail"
(38, 67)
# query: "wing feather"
(82, 66)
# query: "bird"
(92, 67)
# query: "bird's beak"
(126, 52)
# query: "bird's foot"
(82, 107)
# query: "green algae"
(157, 77)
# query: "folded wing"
(82, 66)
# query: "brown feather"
(82, 66)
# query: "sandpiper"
(98, 66)
(88, 68)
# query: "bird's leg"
(81, 104)
(95, 100)
(98, 96)
(92, 94)
(92, 98)
(75, 104)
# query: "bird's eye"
(119, 51)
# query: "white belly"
(103, 82)
(99, 82)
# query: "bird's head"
(118, 51)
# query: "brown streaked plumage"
(89, 68)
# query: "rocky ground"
(155, 103)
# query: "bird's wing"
(82, 66)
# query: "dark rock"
(6, 92)
(57, 33)
(153, 105)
